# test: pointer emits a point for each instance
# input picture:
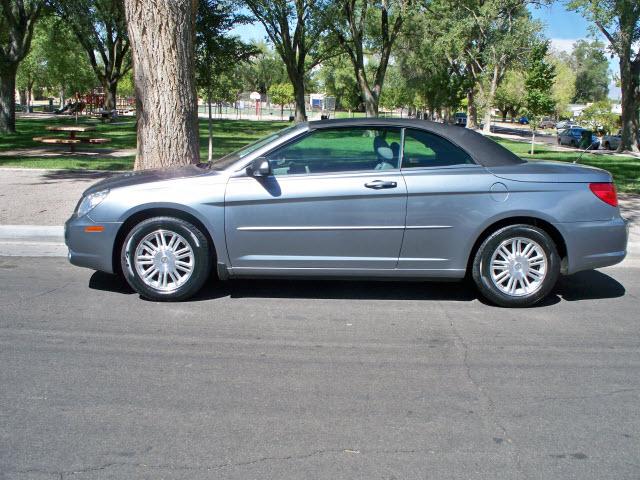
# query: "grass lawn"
(230, 135)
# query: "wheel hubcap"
(164, 260)
(518, 267)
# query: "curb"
(36, 233)
(32, 241)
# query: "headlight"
(91, 201)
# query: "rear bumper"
(90, 249)
(595, 244)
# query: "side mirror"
(260, 167)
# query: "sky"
(561, 26)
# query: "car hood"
(148, 176)
(555, 172)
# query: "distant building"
(576, 109)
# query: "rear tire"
(516, 266)
(166, 259)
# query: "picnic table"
(72, 140)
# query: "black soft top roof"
(484, 151)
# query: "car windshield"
(229, 159)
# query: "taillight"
(605, 192)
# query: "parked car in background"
(612, 142)
(523, 121)
(358, 198)
(547, 122)
(578, 137)
(460, 119)
(563, 124)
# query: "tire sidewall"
(482, 273)
(198, 243)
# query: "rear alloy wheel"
(516, 266)
(166, 259)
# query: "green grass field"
(230, 135)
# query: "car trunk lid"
(556, 172)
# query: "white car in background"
(612, 142)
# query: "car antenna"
(577, 160)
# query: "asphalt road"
(315, 380)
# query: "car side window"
(339, 150)
(423, 149)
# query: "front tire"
(166, 259)
(516, 266)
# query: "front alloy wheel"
(166, 258)
(516, 266)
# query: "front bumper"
(90, 249)
(595, 244)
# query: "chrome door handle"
(379, 184)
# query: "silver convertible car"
(367, 198)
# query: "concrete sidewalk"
(34, 204)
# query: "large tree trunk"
(472, 111)
(110, 94)
(298, 93)
(162, 42)
(486, 127)
(371, 100)
(8, 98)
(22, 96)
(370, 104)
(630, 89)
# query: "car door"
(449, 196)
(335, 200)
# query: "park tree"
(510, 94)
(263, 69)
(17, 22)
(45, 67)
(564, 84)
(281, 94)
(619, 22)
(101, 28)
(591, 67)
(538, 87)
(336, 78)
(216, 51)
(162, 43)
(296, 28)
(434, 78)
(599, 117)
(489, 37)
(396, 93)
(367, 31)
(33, 68)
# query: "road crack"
(487, 400)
